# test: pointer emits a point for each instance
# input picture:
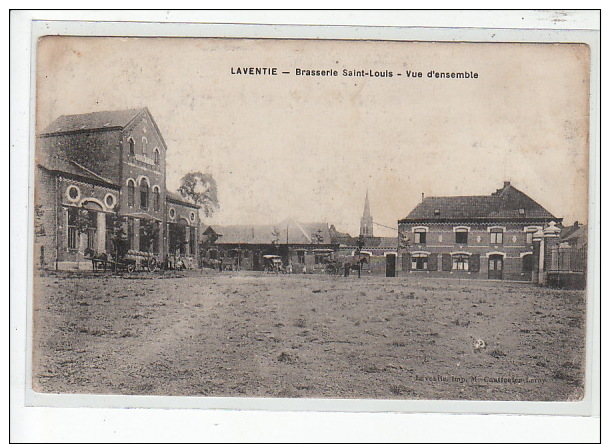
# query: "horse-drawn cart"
(335, 265)
(129, 263)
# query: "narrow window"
(109, 233)
(72, 235)
(157, 157)
(156, 199)
(131, 193)
(132, 146)
(192, 241)
(420, 236)
(144, 240)
(156, 237)
(130, 233)
(91, 229)
(144, 194)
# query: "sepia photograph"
(305, 218)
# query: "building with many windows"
(489, 237)
(100, 172)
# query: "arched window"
(144, 145)
(157, 156)
(131, 193)
(419, 261)
(460, 261)
(156, 199)
(144, 194)
(132, 146)
(419, 236)
(496, 235)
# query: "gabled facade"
(102, 166)
(488, 237)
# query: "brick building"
(497, 236)
(304, 246)
(92, 169)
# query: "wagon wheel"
(330, 269)
(152, 264)
(131, 268)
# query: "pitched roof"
(289, 230)
(177, 198)
(92, 121)
(58, 161)
(576, 234)
(384, 243)
(506, 203)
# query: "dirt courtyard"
(206, 333)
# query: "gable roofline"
(91, 122)
(479, 220)
(154, 123)
(506, 204)
(117, 120)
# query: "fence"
(568, 266)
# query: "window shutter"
(474, 262)
(447, 262)
(406, 261)
(433, 262)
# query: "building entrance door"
(390, 265)
(496, 264)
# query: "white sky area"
(309, 147)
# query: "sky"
(309, 147)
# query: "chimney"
(506, 183)
(422, 197)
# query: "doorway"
(496, 265)
(390, 265)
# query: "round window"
(172, 213)
(109, 200)
(73, 192)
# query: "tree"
(275, 234)
(81, 224)
(149, 232)
(39, 229)
(118, 236)
(201, 189)
(403, 240)
(318, 237)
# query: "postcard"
(360, 224)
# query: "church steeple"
(366, 222)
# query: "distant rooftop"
(287, 231)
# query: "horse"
(98, 260)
